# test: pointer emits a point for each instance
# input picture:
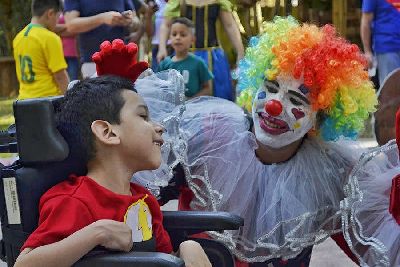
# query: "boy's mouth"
(159, 142)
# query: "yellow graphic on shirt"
(138, 217)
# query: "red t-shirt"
(79, 201)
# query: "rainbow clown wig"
(332, 69)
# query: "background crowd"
(222, 29)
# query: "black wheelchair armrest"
(181, 224)
(137, 259)
(200, 221)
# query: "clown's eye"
(271, 89)
(271, 86)
(295, 101)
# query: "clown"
(371, 209)
(284, 168)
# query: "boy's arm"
(205, 77)
(108, 233)
(193, 254)
(62, 80)
(161, 66)
(206, 89)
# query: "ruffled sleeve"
(172, 9)
(226, 5)
(370, 230)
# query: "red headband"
(119, 59)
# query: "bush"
(14, 16)
(6, 113)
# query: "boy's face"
(140, 138)
(181, 37)
(52, 19)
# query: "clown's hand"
(119, 59)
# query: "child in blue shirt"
(193, 69)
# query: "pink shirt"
(69, 43)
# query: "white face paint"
(281, 112)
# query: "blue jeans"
(387, 62)
(73, 67)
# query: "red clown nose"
(273, 107)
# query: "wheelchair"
(43, 162)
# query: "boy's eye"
(295, 101)
(145, 117)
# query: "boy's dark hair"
(185, 21)
(39, 7)
(92, 99)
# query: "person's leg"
(387, 62)
(73, 67)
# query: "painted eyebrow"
(302, 97)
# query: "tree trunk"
(8, 77)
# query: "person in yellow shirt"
(38, 53)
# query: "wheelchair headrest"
(37, 136)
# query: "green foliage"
(14, 16)
(6, 113)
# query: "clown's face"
(281, 112)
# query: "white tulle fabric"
(286, 207)
(370, 230)
(163, 93)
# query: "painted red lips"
(272, 125)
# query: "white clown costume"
(372, 206)
(291, 205)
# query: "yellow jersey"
(38, 54)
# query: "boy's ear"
(105, 133)
(50, 12)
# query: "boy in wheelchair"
(107, 126)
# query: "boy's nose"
(159, 128)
